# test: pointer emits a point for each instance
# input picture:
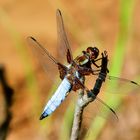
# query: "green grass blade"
(126, 10)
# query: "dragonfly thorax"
(87, 56)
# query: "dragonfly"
(70, 74)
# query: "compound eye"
(93, 51)
(96, 52)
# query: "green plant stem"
(126, 10)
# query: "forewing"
(48, 62)
(64, 49)
(118, 85)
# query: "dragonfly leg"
(104, 54)
(95, 60)
(98, 59)
(87, 71)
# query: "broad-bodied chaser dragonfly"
(76, 68)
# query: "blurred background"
(112, 25)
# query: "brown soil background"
(87, 22)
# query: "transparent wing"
(63, 43)
(102, 109)
(119, 85)
(106, 110)
(41, 49)
(106, 107)
(48, 62)
(97, 108)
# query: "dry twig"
(8, 93)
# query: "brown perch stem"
(82, 102)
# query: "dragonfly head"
(93, 52)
